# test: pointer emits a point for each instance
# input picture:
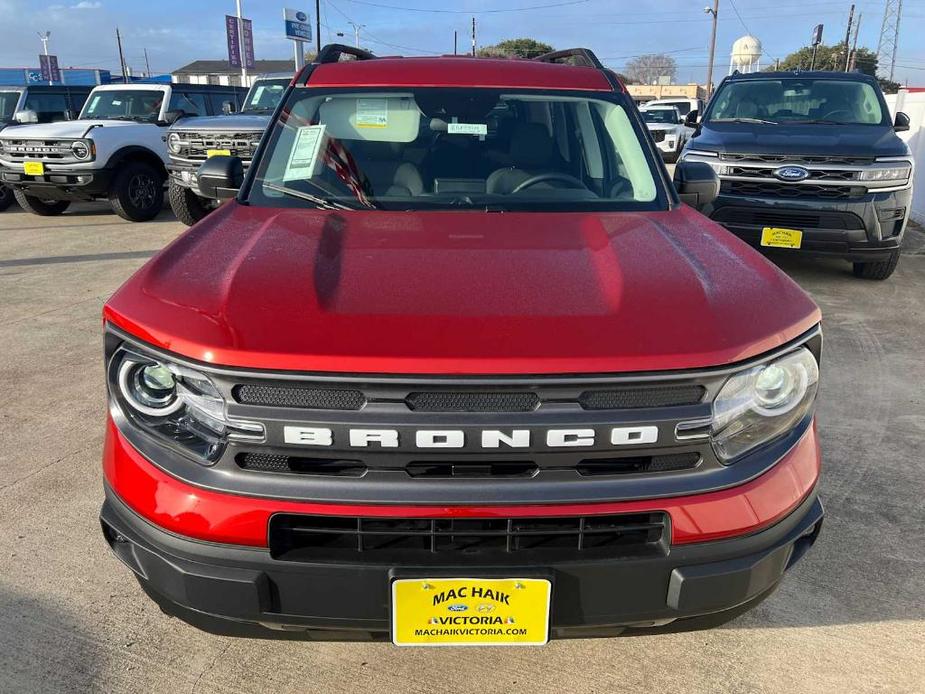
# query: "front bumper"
(867, 228)
(182, 553)
(185, 173)
(60, 183)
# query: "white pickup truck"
(115, 150)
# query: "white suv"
(116, 150)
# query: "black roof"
(805, 74)
(223, 67)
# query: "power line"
(476, 12)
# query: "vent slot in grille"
(793, 219)
(450, 401)
(269, 462)
(594, 467)
(476, 469)
(308, 398)
(447, 540)
(790, 190)
(629, 398)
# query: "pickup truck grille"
(196, 145)
(449, 540)
(814, 174)
(658, 135)
(51, 151)
(782, 159)
(790, 190)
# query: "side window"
(77, 100)
(191, 103)
(48, 106)
(684, 107)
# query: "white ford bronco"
(115, 150)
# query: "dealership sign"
(238, 40)
(48, 64)
(298, 25)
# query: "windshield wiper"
(324, 203)
(762, 121)
(820, 121)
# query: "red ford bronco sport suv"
(456, 366)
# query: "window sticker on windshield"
(116, 102)
(372, 113)
(480, 129)
(306, 155)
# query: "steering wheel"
(542, 178)
(843, 111)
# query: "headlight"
(758, 405)
(886, 173)
(177, 405)
(174, 143)
(81, 149)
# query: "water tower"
(746, 55)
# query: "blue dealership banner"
(234, 47)
(247, 30)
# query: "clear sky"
(176, 32)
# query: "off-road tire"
(877, 270)
(6, 197)
(43, 208)
(137, 192)
(186, 205)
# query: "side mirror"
(901, 123)
(220, 177)
(23, 117)
(172, 117)
(228, 107)
(690, 120)
(696, 182)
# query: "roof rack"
(333, 51)
(585, 55)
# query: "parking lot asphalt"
(849, 617)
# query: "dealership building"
(221, 71)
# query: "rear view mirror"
(26, 116)
(696, 182)
(228, 107)
(901, 123)
(690, 120)
(220, 177)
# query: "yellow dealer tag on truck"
(33, 168)
(775, 237)
(470, 611)
(217, 153)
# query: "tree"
(515, 48)
(833, 58)
(647, 69)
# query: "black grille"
(782, 159)
(448, 540)
(795, 219)
(480, 469)
(290, 396)
(197, 145)
(790, 190)
(658, 135)
(629, 398)
(814, 174)
(269, 462)
(645, 463)
(472, 402)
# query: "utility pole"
(356, 32)
(473, 36)
(454, 41)
(43, 36)
(147, 64)
(121, 57)
(854, 46)
(848, 37)
(318, 26)
(241, 44)
(715, 12)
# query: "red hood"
(461, 293)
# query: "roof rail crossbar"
(333, 51)
(585, 56)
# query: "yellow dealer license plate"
(470, 611)
(775, 237)
(217, 153)
(33, 168)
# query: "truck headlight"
(174, 144)
(177, 405)
(886, 173)
(82, 149)
(758, 405)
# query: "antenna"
(889, 38)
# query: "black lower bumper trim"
(71, 184)
(239, 589)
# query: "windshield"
(124, 104)
(265, 95)
(435, 148)
(8, 101)
(662, 115)
(796, 100)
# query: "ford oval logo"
(791, 173)
(301, 16)
(458, 607)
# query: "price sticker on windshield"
(307, 152)
(480, 129)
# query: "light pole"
(241, 44)
(356, 32)
(715, 12)
(43, 36)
